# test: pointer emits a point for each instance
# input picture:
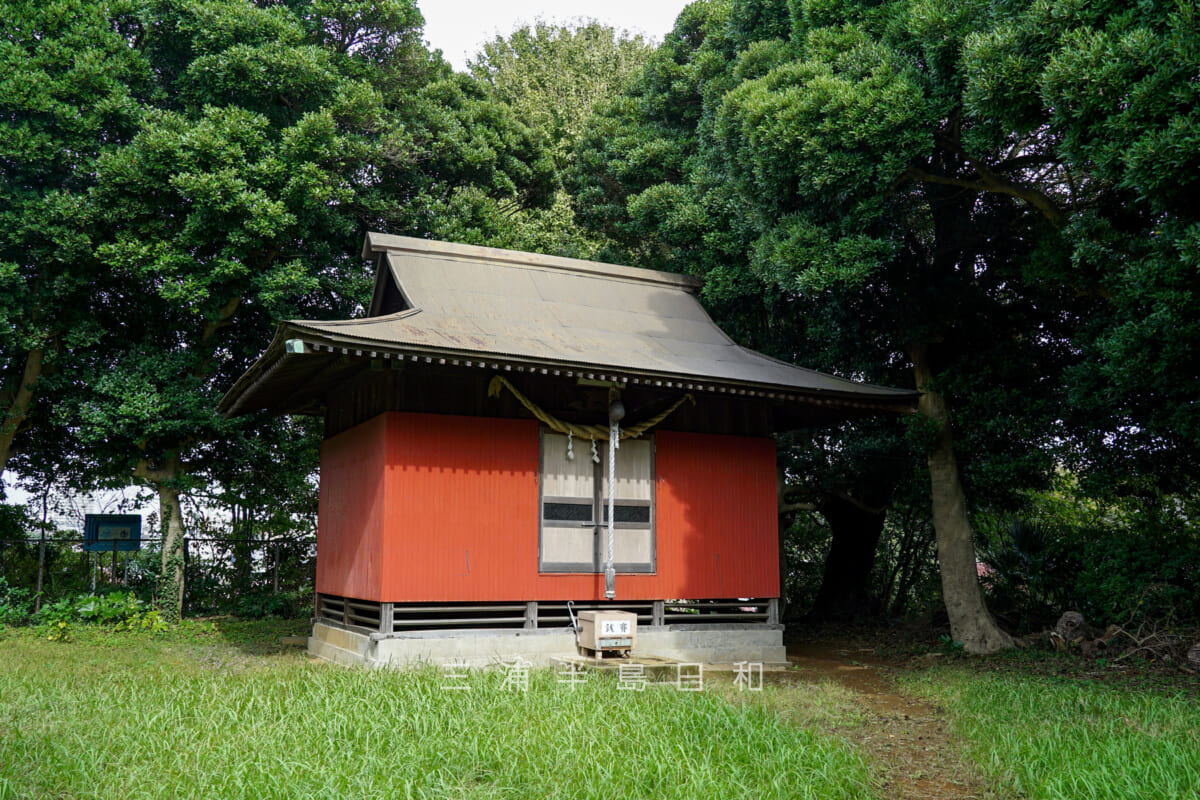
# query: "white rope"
(614, 435)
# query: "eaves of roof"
(469, 307)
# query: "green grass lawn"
(220, 710)
(211, 713)
(1071, 739)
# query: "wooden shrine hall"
(511, 438)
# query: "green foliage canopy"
(993, 193)
(1006, 182)
(70, 89)
(204, 170)
(554, 76)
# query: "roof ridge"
(403, 313)
(383, 243)
(812, 371)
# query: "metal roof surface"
(468, 301)
(543, 311)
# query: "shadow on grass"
(252, 637)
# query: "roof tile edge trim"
(499, 364)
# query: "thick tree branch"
(990, 181)
(1048, 208)
(861, 506)
(224, 318)
(18, 410)
(918, 174)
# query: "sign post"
(113, 533)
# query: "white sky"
(459, 28)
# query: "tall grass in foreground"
(105, 723)
(1055, 739)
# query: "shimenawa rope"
(570, 428)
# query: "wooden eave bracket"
(596, 377)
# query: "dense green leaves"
(1112, 88)
(817, 130)
(553, 77)
(178, 177)
(528, 96)
(226, 158)
(990, 178)
(70, 90)
(999, 187)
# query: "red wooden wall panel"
(715, 502)
(462, 509)
(350, 517)
(459, 521)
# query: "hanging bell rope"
(593, 432)
(616, 411)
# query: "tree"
(834, 169)
(639, 178)
(550, 78)
(237, 499)
(1105, 93)
(268, 139)
(70, 90)
(648, 180)
(554, 76)
(221, 213)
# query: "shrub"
(1031, 573)
(285, 605)
(1128, 564)
(14, 604)
(122, 609)
(1146, 576)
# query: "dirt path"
(908, 741)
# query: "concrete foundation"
(705, 644)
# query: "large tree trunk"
(970, 621)
(845, 590)
(18, 409)
(170, 589)
(170, 516)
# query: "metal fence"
(252, 577)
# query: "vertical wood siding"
(716, 514)
(460, 517)
(350, 516)
(462, 509)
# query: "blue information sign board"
(104, 533)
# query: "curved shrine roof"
(459, 304)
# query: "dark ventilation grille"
(638, 514)
(546, 615)
(707, 612)
(354, 613)
(567, 512)
(421, 616)
(554, 614)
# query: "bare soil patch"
(908, 741)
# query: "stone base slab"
(704, 644)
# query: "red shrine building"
(469, 464)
